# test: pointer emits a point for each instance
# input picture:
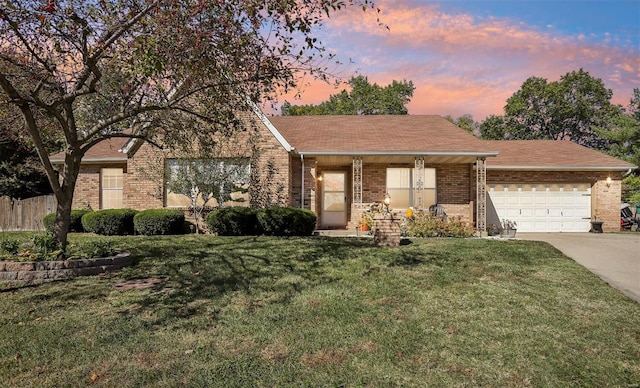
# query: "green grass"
(245, 312)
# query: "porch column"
(481, 196)
(419, 172)
(357, 180)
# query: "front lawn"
(245, 312)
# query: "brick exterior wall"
(143, 178)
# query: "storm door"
(334, 199)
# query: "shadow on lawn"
(210, 275)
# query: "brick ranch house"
(337, 165)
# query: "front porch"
(340, 188)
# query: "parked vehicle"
(629, 220)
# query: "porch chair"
(437, 210)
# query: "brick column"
(387, 230)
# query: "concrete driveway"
(614, 257)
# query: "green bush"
(109, 222)
(74, 226)
(422, 224)
(286, 221)
(159, 221)
(233, 221)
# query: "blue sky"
(470, 56)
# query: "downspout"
(302, 182)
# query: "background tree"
(465, 122)
(623, 137)
(363, 99)
(90, 71)
(569, 109)
(493, 128)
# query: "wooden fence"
(25, 214)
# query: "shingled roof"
(550, 155)
(103, 152)
(376, 134)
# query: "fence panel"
(25, 214)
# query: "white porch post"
(357, 180)
(419, 172)
(481, 196)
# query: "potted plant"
(596, 226)
(366, 222)
(509, 229)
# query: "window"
(403, 185)
(111, 183)
(208, 182)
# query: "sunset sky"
(470, 56)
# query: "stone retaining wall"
(39, 271)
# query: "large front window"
(407, 187)
(207, 182)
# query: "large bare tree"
(98, 69)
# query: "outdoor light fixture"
(387, 201)
(608, 181)
(320, 178)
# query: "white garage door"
(544, 207)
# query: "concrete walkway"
(614, 257)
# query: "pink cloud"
(464, 64)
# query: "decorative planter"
(596, 226)
(508, 233)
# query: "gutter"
(560, 168)
(407, 153)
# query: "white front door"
(544, 207)
(334, 199)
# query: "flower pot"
(596, 226)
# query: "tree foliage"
(465, 122)
(93, 70)
(573, 108)
(363, 99)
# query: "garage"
(541, 207)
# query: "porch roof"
(399, 135)
(551, 155)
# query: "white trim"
(274, 131)
(559, 168)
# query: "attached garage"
(542, 207)
(553, 186)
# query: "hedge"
(286, 221)
(159, 221)
(74, 226)
(233, 221)
(109, 222)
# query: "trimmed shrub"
(233, 221)
(159, 221)
(109, 222)
(423, 224)
(286, 221)
(74, 226)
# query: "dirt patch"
(138, 284)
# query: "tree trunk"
(64, 195)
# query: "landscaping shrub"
(233, 221)
(424, 225)
(74, 226)
(159, 221)
(286, 221)
(109, 222)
